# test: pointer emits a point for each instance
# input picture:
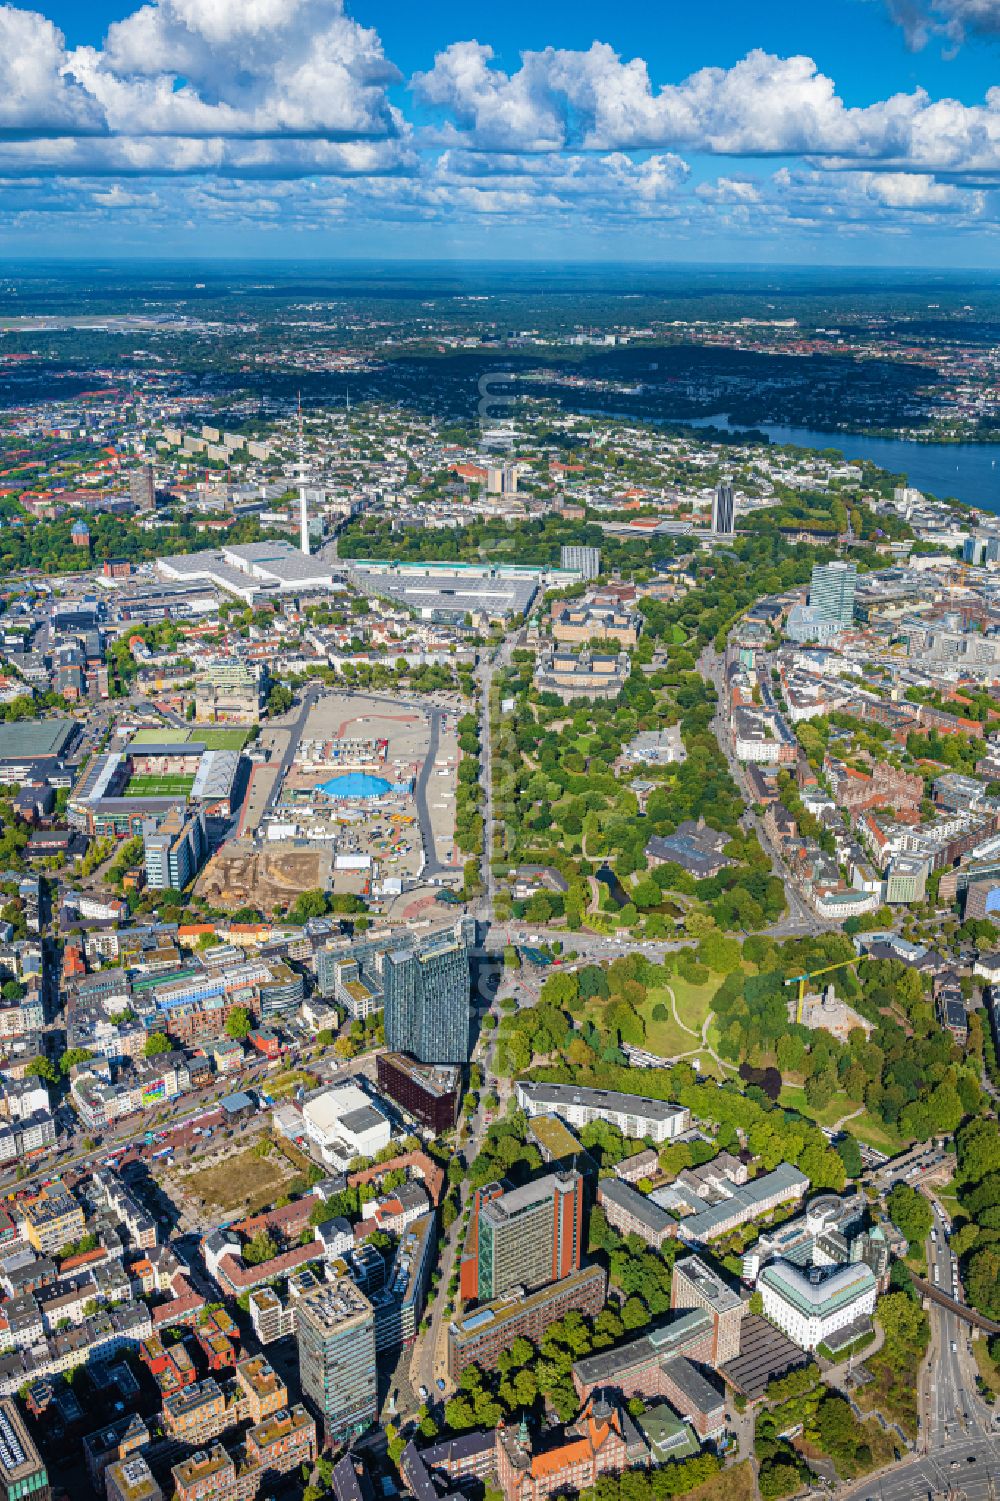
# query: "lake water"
(963, 471)
(618, 895)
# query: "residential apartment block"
(634, 1115)
(633, 1213)
(52, 1219)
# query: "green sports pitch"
(221, 738)
(212, 736)
(160, 735)
(165, 786)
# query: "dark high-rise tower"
(427, 1000)
(724, 509)
(142, 488)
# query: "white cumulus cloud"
(241, 67)
(201, 69)
(762, 106)
(280, 112)
(36, 98)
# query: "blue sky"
(844, 131)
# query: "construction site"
(357, 796)
(270, 877)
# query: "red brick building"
(882, 786)
(282, 1443)
(171, 1366)
(218, 1340)
(206, 1476)
(603, 1441)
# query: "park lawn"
(875, 1133)
(719, 1071)
(946, 1193)
(245, 1179)
(665, 1037)
(864, 1128)
(221, 737)
(695, 1001)
(734, 1484)
(916, 1259)
(793, 1097)
(693, 1005)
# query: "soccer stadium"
(118, 791)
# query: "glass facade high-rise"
(23, 1476)
(427, 1000)
(174, 848)
(335, 1334)
(142, 488)
(831, 592)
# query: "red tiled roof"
(241, 1277)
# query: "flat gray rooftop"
(34, 737)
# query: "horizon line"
(398, 262)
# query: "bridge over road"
(960, 1310)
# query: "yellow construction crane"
(800, 980)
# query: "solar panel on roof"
(478, 1321)
(11, 1452)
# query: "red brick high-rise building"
(523, 1237)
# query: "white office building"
(584, 560)
(345, 1123)
(812, 1304)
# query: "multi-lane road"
(958, 1454)
(429, 1362)
(489, 662)
(484, 676)
(966, 1470)
(586, 946)
(950, 1405)
(432, 868)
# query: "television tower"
(303, 509)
